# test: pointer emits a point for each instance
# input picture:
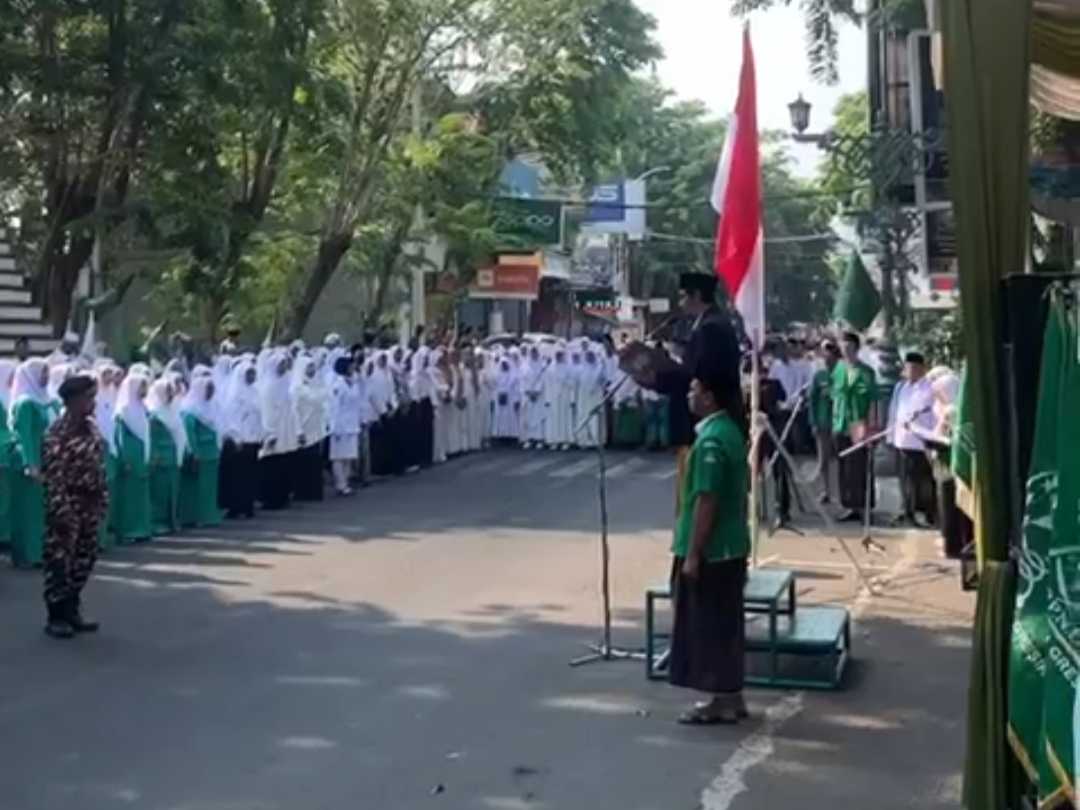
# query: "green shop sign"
(522, 223)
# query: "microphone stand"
(605, 650)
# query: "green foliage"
(822, 37)
(939, 335)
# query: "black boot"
(76, 620)
(58, 625)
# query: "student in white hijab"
(478, 399)
(131, 488)
(168, 446)
(591, 417)
(282, 425)
(200, 476)
(345, 423)
(312, 411)
(422, 388)
(385, 447)
(507, 402)
(242, 426)
(442, 403)
(29, 419)
(560, 387)
(533, 407)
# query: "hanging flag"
(1031, 630)
(858, 301)
(268, 341)
(736, 198)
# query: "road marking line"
(575, 469)
(534, 466)
(664, 475)
(760, 746)
(625, 467)
(752, 751)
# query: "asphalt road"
(407, 648)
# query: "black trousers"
(276, 480)
(238, 479)
(307, 482)
(956, 527)
(781, 471)
(425, 424)
(856, 472)
(917, 485)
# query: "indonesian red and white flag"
(736, 198)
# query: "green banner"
(524, 224)
(1044, 667)
(1027, 663)
(1063, 581)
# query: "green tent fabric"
(858, 301)
(987, 57)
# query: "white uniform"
(507, 402)
(533, 407)
(590, 395)
(559, 391)
(911, 402)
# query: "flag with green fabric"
(1027, 659)
(858, 301)
(963, 448)
(1063, 589)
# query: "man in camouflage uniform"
(76, 500)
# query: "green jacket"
(821, 409)
(854, 392)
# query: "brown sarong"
(708, 642)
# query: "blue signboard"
(607, 203)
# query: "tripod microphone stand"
(604, 650)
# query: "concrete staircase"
(18, 316)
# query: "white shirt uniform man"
(913, 405)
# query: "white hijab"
(131, 410)
(27, 384)
(196, 404)
(311, 399)
(7, 376)
(275, 396)
(242, 403)
(168, 413)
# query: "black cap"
(76, 386)
(702, 283)
(915, 357)
(852, 337)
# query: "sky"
(702, 47)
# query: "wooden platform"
(777, 630)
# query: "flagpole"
(755, 454)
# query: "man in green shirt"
(821, 416)
(854, 394)
(712, 543)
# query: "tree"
(549, 61)
(82, 89)
(822, 18)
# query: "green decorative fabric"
(1055, 43)
(987, 59)
(858, 301)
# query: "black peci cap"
(915, 357)
(702, 283)
(76, 386)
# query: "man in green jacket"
(821, 416)
(854, 394)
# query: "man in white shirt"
(912, 405)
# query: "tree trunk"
(62, 273)
(331, 250)
(391, 256)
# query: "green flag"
(858, 301)
(1062, 583)
(1027, 659)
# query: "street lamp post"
(882, 157)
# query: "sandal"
(699, 716)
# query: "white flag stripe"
(723, 168)
(750, 301)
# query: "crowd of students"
(189, 447)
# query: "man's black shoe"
(78, 623)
